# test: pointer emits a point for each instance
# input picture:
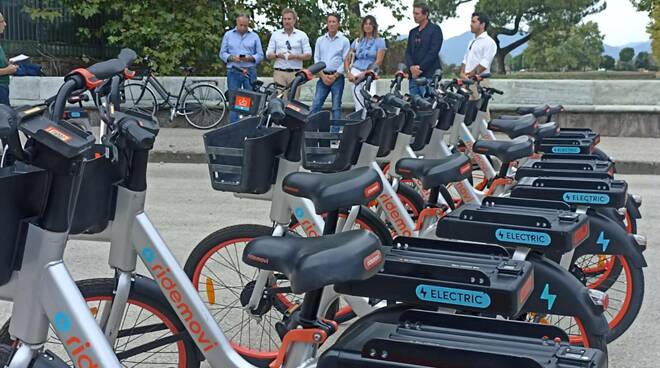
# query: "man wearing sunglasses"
(424, 43)
(289, 47)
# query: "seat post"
(310, 306)
(504, 169)
(331, 222)
(433, 196)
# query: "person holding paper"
(6, 69)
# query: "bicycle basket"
(471, 111)
(385, 131)
(446, 115)
(333, 145)
(23, 194)
(95, 205)
(424, 123)
(242, 157)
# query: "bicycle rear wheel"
(204, 106)
(139, 98)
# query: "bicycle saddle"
(187, 69)
(312, 263)
(537, 111)
(335, 191)
(435, 173)
(506, 151)
(514, 127)
(547, 130)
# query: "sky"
(616, 31)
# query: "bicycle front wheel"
(204, 106)
(150, 333)
(139, 98)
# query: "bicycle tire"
(192, 109)
(142, 96)
(149, 301)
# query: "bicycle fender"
(633, 209)
(558, 292)
(607, 237)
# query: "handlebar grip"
(391, 100)
(138, 137)
(276, 109)
(421, 103)
(497, 91)
(315, 68)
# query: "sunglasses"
(288, 45)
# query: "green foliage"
(643, 60)
(566, 48)
(174, 33)
(653, 8)
(607, 62)
(626, 54)
(531, 18)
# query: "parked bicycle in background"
(200, 102)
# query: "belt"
(287, 70)
(329, 72)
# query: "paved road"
(185, 209)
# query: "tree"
(607, 62)
(625, 58)
(643, 60)
(189, 32)
(626, 54)
(575, 47)
(531, 17)
(653, 8)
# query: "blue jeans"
(417, 90)
(236, 80)
(322, 92)
(4, 95)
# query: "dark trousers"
(4, 95)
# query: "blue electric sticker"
(299, 212)
(561, 149)
(523, 237)
(586, 198)
(548, 297)
(446, 295)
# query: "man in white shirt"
(480, 52)
(289, 47)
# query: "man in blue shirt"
(424, 44)
(332, 49)
(241, 50)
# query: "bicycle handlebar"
(139, 138)
(304, 75)
(391, 100)
(421, 103)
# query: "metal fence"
(57, 38)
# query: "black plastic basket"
(384, 132)
(471, 111)
(446, 115)
(95, 205)
(333, 145)
(242, 157)
(23, 195)
(424, 123)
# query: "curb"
(622, 167)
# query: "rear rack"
(464, 276)
(546, 226)
(590, 192)
(431, 339)
(565, 145)
(566, 168)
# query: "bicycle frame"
(44, 294)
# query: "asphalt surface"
(184, 207)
